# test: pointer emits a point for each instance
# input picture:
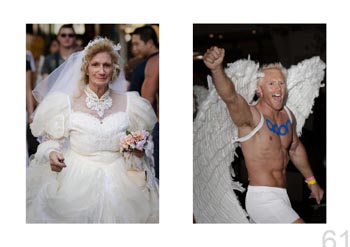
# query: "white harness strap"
(258, 127)
(288, 113)
(253, 132)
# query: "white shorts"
(269, 205)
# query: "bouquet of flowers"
(134, 141)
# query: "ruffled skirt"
(91, 189)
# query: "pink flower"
(129, 140)
(134, 140)
(137, 135)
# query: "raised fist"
(213, 57)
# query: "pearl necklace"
(98, 104)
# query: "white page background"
(176, 23)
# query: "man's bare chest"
(277, 133)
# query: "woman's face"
(100, 70)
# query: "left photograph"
(92, 103)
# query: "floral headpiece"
(98, 39)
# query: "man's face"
(66, 37)
(139, 45)
(272, 88)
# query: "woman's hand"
(57, 161)
(138, 153)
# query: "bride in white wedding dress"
(78, 174)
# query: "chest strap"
(259, 126)
(253, 132)
(289, 114)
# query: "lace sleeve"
(50, 125)
(46, 146)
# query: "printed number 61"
(332, 240)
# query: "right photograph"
(259, 123)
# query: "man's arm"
(29, 96)
(298, 156)
(150, 84)
(239, 109)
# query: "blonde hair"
(93, 48)
(277, 66)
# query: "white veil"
(66, 77)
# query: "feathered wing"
(201, 93)
(214, 198)
(303, 83)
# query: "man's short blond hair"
(277, 66)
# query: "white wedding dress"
(97, 185)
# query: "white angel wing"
(200, 94)
(244, 73)
(303, 84)
(214, 198)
